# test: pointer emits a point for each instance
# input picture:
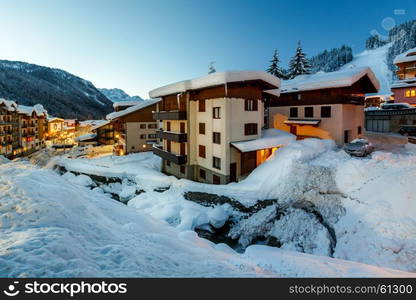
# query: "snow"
(118, 95)
(270, 138)
(126, 103)
(61, 229)
(38, 109)
(408, 56)
(368, 203)
(8, 104)
(100, 124)
(214, 79)
(143, 104)
(376, 59)
(217, 216)
(321, 80)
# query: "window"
(201, 105)
(293, 112)
(250, 129)
(216, 179)
(168, 126)
(142, 126)
(299, 97)
(413, 93)
(202, 174)
(182, 169)
(151, 136)
(216, 162)
(325, 111)
(182, 127)
(152, 126)
(250, 105)
(216, 138)
(359, 130)
(201, 128)
(309, 112)
(216, 114)
(143, 136)
(201, 151)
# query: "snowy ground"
(376, 59)
(53, 226)
(367, 204)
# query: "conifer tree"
(211, 68)
(274, 67)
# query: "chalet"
(211, 127)
(323, 105)
(7, 126)
(134, 127)
(55, 127)
(32, 123)
(404, 89)
(104, 133)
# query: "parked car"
(396, 106)
(408, 130)
(359, 147)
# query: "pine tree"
(299, 64)
(211, 68)
(274, 67)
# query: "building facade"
(323, 105)
(22, 128)
(212, 126)
(134, 127)
(404, 89)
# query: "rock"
(217, 217)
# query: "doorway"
(233, 172)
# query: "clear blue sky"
(141, 45)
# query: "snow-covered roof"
(408, 56)
(214, 79)
(38, 109)
(126, 103)
(86, 137)
(403, 83)
(143, 104)
(322, 80)
(100, 124)
(52, 119)
(303, 121)
(8, 104)
(269, 138)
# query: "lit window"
(413, 93)
(408, 93)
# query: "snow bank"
(61, 229)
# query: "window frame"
(326, 114)
(251, 129)
(201, 126)
(202, 151)
(291, 112)
(308, 111)
(214, 165)
(218, 134)
(214, 114)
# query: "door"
(293, 129)
(233, 172)
(168, 146)
(182, 127)
(183, 148)
(346, 136)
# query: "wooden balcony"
(172, 136)
(169, 115)
(172, 157)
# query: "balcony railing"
(172, 157)
(169, 115)
(172, 136)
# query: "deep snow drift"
(328, 203)
(53, 226)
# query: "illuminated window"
(413, 93)
(408, 93)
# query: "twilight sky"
(140, 45)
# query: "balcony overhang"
(169, 115)
(313, 122)
(172, 157)
(172, 136)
